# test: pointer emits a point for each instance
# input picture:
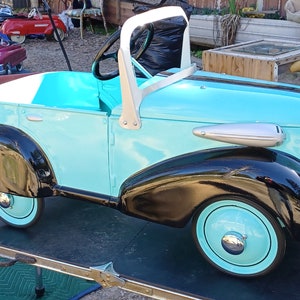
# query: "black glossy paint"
(24, 168)
(171, 191)
(102, 199)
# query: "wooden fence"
(117, 11)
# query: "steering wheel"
(140, 41)
(33, 13)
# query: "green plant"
(197, 53)
(99, 29)
(235, 6)
(232, 7)
(205, 11)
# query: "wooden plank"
(238, 66)
(117, 12)
(232, 61)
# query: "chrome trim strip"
(246, 134)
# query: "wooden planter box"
(205, 30)
(262, 59)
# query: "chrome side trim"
(34, 118)
(246, 134)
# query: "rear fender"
(24, 167)
(171, 191)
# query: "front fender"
(24, 167)
(58, 24)
(49, 29)
(171, 191)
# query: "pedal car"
(178, 146)
(34, 23)
(11, 55)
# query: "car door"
(74, 140)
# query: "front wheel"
(61, 34)
(20, 211)
(238, 237)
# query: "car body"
(11, 55)
(176, 146)
(18, 27)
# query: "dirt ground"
(44, 55)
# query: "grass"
(197, 53)
(99, 28)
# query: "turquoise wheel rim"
(261, 244)
(21, 211)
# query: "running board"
(105, 275)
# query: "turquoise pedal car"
(178, 146)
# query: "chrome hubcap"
(234, 242)
(6, 200)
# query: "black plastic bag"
(164, 51)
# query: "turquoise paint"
(75, 142)
(80, 130)
(228, 215)
(76, 90)
(22, 211)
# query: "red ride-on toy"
(33, 24)
(11, 55)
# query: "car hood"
(206, 98)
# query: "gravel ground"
(44, 55)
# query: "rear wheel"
(20, 211)
(60, 33)
(19, 67)
(238, 237)
(7, 69)
(18, 38)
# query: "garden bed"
(205, 30)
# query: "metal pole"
(48, 9)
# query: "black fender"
(171, 191)
(24, 167)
